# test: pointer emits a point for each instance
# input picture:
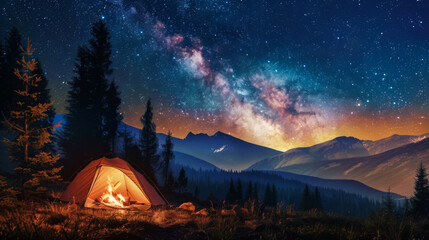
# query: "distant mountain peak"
(219, 133)
(346, 138)
(192, 135)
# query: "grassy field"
(27, 220)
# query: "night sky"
(277, 73)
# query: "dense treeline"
(216, 185)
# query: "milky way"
(277, 73)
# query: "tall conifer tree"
(77, 134)
(306, 199)
(112, 116)
(167, 157)
(182, 180)
(273, 195)
(249, 192)
(231, 194)
(420, 200)
(93, 118)
(149, 143)
(36, 166)
(239, 191)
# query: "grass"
(68, 221)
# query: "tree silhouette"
(273, 195)
(249, 192)
(306, 199)
(268, 195)
(76, 137)
(93, 117)
(317, 200)
(130, 152)
(167, 156)
(36, 167)
(112, 116)
(196, 192)
(255, 192)
(420, 200)
(388, 205)
(231, 194)
(239, 191)
(182, 180)
(171, 182)
(149, 143)
(44, 96)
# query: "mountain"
(394, 141)
(223, 150)
(346, 185)
(185, 160)
(220, 149)
(338, 148)
(394, 168)
(181, 159)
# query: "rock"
(202, 212)
(188, 206)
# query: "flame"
(110, 197)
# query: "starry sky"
(281, 74)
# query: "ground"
(67, 221)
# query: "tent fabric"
(90, 183)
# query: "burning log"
(111, 198)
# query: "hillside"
(395, 168)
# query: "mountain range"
(379, 164)
(389, 162)
(220, 149)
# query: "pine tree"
(149, 143)
(255, 192)
(239, 191)
(182, 180)
(36, 167)
(273, 195)
(93, 117)
(100, 70)
(388, 205)
(268, 195)
(317, 200)
(171, 182)
(44, 96)
(77, 136)
(249, 192)
(231, 194)
(420, 200)
(167, 156)
(130, 152)
(112, 116)
(196, 192)
(306, 199)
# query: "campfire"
(111, 198)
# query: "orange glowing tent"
(105, 183)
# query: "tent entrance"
(111, 187)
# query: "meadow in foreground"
(69, 221)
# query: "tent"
(105, 183)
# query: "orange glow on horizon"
(365, 127)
